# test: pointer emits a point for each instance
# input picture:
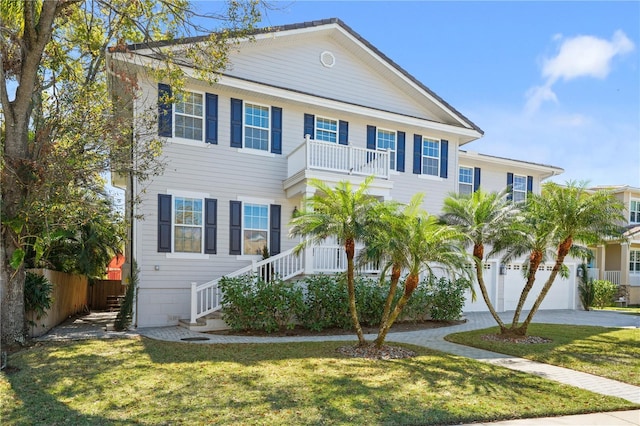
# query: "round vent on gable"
(327, 59)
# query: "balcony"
(331, 162)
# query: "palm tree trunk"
(384, 327)
(563, 250)
(485, 295)
(410, 285)
(534, 262)
(349, 248)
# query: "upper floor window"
(634, 261)
(634, 211)
(187, 225)
(256, 127)
(519, 188)
(465, 180)
(430, 157)
(386, 139)
(326, 129)
(188, 116)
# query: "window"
(188, 118)
(634, 261)
(386, 139)
(187, 225)
(326, 129)
(465, 180)
(519, 188)
(256, 127)
(430, 157)
(256, 228)
(634, 211)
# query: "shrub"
(447, 297)
(125, 314)
(326, 303)
(586, 289)
(37, 294)
(250, 303)
(370, 298)
(604, 292)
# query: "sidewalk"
(432, 339)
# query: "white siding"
(295, 64)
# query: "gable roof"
(314, 25)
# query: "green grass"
(631, 310)
(143, 381)
(606, 352)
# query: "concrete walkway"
(434, 339)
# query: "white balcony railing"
(333, 157)
(332, 258)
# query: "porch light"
(503, 269)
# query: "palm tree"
(576, 217)
(415, 243)
(486, 219)
(339, 212)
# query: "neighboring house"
(619, 261)
(303, 101)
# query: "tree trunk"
(16, 164)
(478, 253)
(410, 285)
(534, 262)
(384, 327)
(563, 250)
(350, 248)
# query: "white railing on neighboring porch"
(612, 276)
(207, 298)
(320, 155)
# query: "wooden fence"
(69, 296)
(100, 291)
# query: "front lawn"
(608, 352)
(144, 381)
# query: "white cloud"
(580, 56)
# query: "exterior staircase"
(206, 299)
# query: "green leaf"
(17, 258)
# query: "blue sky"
(550, 82)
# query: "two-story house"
(619, 261)
(302, 101)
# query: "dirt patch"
(371, 352)
(300, 331)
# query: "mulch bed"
(525, 340)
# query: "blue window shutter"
(343, 132)
(309, 125)
(164, 223)
(476, 178)
(529, 183)
(371, 137)
(210, 225)
(400, 152)
(236, 123)
(417, 154)
(510, 186)
(235, 227)
(275, 229)
(276, 130)
(212, 118)
(444, 158)
(165, 111)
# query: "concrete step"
(211, 322)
